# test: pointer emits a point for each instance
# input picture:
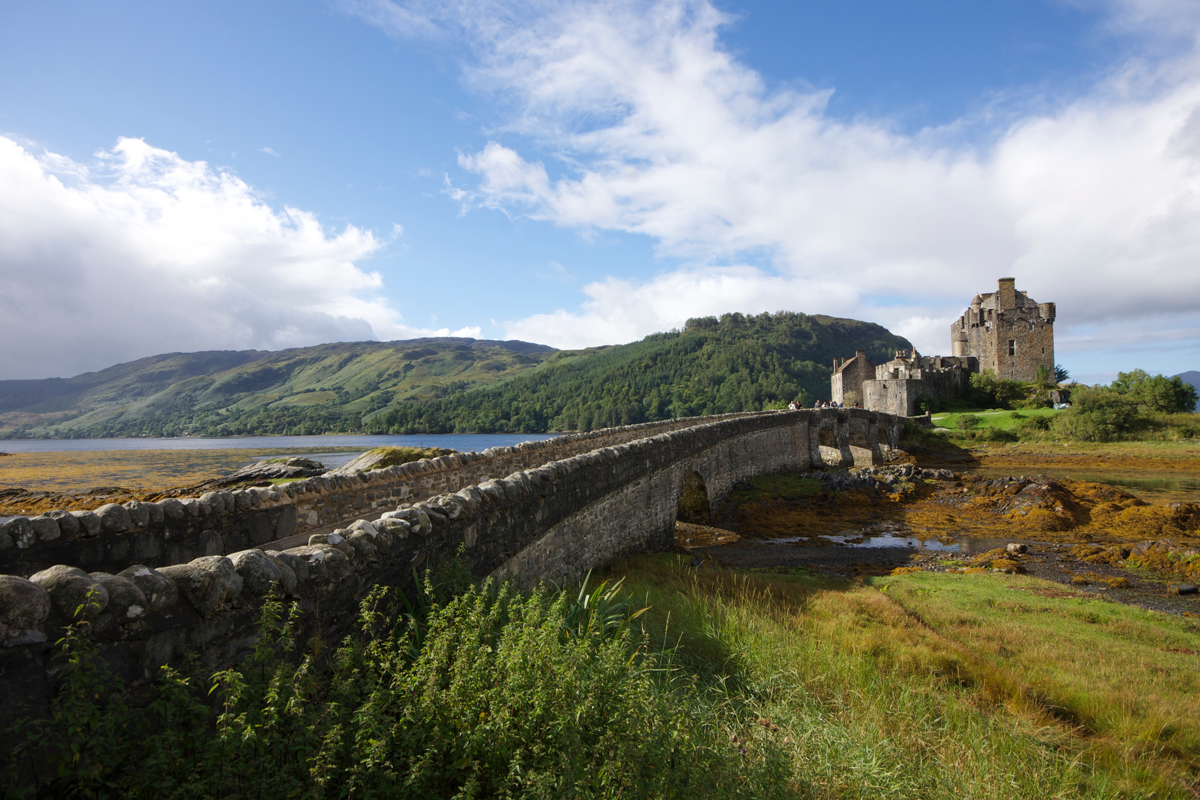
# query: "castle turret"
(1008, 294)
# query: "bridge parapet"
(176, 531)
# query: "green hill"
(735, 363)
(303, 390)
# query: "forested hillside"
(735, 363)
(713, 366)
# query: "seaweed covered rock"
(269, 470)
(383, 457)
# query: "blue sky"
(191, 176)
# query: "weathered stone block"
(160, 591)
(126, 602)
(75, 594)
(206, 582)
(261, 531)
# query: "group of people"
(795, 406)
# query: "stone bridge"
(183, 576)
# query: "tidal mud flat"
(34, 483)
(1093, 538)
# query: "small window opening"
(1012, 347)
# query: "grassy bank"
(941, 685)
(731, 685)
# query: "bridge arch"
(693, 502)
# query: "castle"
(1003, 331)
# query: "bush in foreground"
(496, 694)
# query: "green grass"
(940, 685)
(992, 418)
(755, 684)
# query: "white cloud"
(268, 151)
(629, 116)
(143, 252)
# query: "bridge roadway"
(175, 577)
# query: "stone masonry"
(1007, 332)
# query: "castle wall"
(849, 375)
(899, 395)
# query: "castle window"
(1012, 347)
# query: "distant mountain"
(308, 389)
(734, 363)
(1192, 377)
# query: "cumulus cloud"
(143, 252)
(630, 116)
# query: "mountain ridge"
(448, 384)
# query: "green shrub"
(986, 389)
(968, 421)
(1156, 393)
(997, 435)
(494, 694)
(1096, 415)
(1038, 424)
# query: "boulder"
(1182, 588)
(383, 457)
(259, 573)
(114, 518)
(206, 582)
(364, 545)
(67, 524)
(395, 526)
(139, 513)
(46, 528)
(417, 519)
(1016, 547)
(159, 590)
(126, 602)
(287, 575)
(335, 539)
(75, 594)
(297, 564)
(89, 523)
(266, 470)
(24, 606)
(325, 563)
(20, 532)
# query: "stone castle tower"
(1006, 332)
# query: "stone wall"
(555, 520)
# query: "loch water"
(333, 450)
